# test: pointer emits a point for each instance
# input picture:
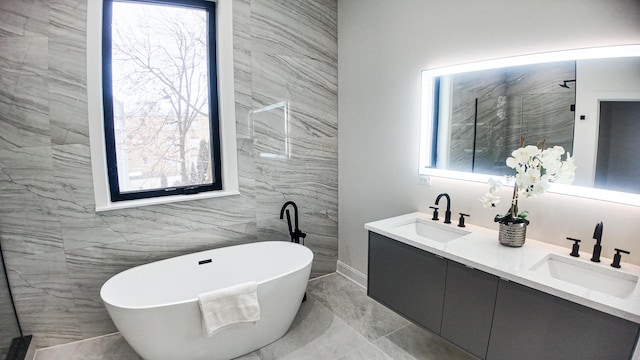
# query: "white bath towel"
(228, 306)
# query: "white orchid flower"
(494, 185)
(531, 176)
(535, 170)
(489, 200)
(567, 172)
(524, 153)
(551, 158)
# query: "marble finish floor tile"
(337, 322)
(316, 333)
(351, 303)
(368, 352)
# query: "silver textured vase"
(512, 235)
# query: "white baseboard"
(351, 274)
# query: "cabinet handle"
(501, 278)
(469, 267)
(438, 256)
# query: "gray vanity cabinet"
(530, 324)
(470, 298)
(406, 279)
(490, 317)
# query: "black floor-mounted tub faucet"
(294, 231)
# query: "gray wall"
(59, 251)
(383, 46)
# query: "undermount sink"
(589, 276)
(431, 230)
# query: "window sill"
(164, 200)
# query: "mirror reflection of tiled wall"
(511, 102)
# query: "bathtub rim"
(195, 299)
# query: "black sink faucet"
(294, 232)
(447, 214)
(597, 248)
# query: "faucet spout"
(597, 233)
(597, 248)
(447, 214)
(295, 213)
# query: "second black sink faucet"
(597, 248)
(447, 214)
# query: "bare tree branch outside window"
(161, 98)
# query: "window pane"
(160, 96)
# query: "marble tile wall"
(59, 251)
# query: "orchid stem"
(514, 201)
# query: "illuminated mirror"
(586, 100)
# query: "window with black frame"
(160, 98)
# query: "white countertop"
(481, 250)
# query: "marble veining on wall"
(59, 251)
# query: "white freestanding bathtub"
(155, 306)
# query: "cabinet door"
(406, 279)
(470, 297)
(529, 324)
